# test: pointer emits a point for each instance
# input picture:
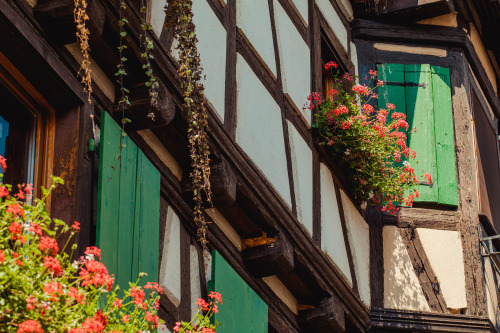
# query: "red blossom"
(74, 294)
(331, 64)
(15, 209)
(75, 226)
(177, 326)
(372, 72)
(207, 330)
(360, 89)
(94, 251)
(95, 273)
(413, 154)
(215, 295)
(31, 303)
(52, 264)
(92, 325)
(155, 286)
(117, 303)
(137, 294)
(15, 230)
(47, 243)
(30, 326)
(36, 229)
(202, 304)
(125, 318)
(380, 83)
(2, 257)
(3, 163)
(3, 191)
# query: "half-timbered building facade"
(290, 251)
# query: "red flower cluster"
(93, 251)
(47, 243)
(95, 273)
(30, 326)
(53, 265)
(330, 64)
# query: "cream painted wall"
(444, 251)
(359, 240)
(301, 156)
(212, 48)
(170, 274)
(401, 286)
(334, 21)
(295, 61)
(354, 58)
(156, 15)
(332, 238)
(254, 19)
(259, 128)
(194, 278)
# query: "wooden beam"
(384, 320)
(327, 317)
(423, 218)
(401, 9)
(142, 114)
(56, 17)
(269, 259)
(374, 219)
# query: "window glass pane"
(17, 139)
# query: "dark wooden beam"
(401, 9)
(374, 219)
(144, 115)
(327, 317)
(423, 218)
(273, 258)
(56, 17)
(384, 320)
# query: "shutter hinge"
(404, 84)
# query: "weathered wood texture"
(327, 317)
(401, 9)
(375, 220)
(384, 320)
(476, 301)
(269, 259)
(423, 218)
(425, 274)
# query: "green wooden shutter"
(445, 142)
(243, 310)
(128, 207)
(423, 93)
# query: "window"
(328, 54)
(423, 93)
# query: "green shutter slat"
(108, 186)
(243, 310)
(388, 93)
(127, 194)
(147, 218)
(128, 207)
(419, 111)
(445, 143)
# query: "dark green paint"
(243, 310)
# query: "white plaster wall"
(359, 240)
(333, 20)
(301, 156)
(212, 48)
(194, 278)
(402, 289)
(354, 58)
(303, 9)
(332, 238)
(259, 130)
(444, 251)
(156, 15)
(170, 274)
(346, 7)
(253, 17)
(295, 61)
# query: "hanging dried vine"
(180, 19)
(121, 73)
(82, 35)
(146, 46)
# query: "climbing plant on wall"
(180, 20)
